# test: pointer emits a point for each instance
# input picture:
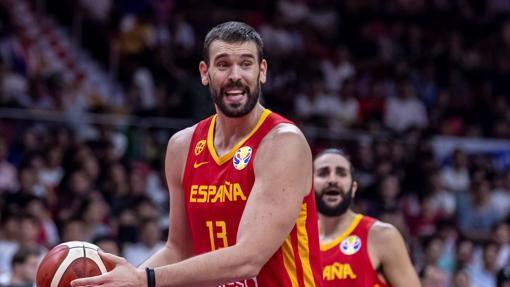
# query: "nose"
(332, 175)
(332, 178)
(235, 73)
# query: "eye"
(222, 65)
(322, 173)
(246, 64)
(341, 172)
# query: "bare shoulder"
(181, 139)
(283, 141)
(384, 233)
(177, 152)
(287, 133)
(385, 238)
(389, 253)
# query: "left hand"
(124, 274)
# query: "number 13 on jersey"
(217, 233)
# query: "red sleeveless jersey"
(216, 190)
(345, 261)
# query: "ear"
(202, 67)
(263, 71)
(354, 188)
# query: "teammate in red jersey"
(242, 205)
(356, 250)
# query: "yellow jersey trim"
(303, 247)
(289, 262)
(230, 154)
(342, 236)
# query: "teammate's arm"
(179, 245)
(283, 176)
(392, 254)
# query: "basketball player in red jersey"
(356, 250)
(242, 206)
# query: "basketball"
(69, 261)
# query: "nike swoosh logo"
(199, 164)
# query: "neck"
(229, 131)
(332, 227)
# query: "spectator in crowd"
(500, 196)
(503, 277)
(94, 212)
(23, 268)
(108, 244)
(456, 177)
(47, 232)
(405, 110)
(72, 230)
(501, 237)
(52, 172)
(432, 276)
(8, 172)
(338, 70)
(461, 279)
(474, 215)
(315, 104)
(485, 273)
(346, 107)
(9, 239)
(464, 255)
(394, 75)
(442, 200)
(150, 242)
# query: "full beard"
(236, 110)
(337, 210)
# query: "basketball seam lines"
(84, 265)
(71, 256)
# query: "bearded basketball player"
(242, 208)
(356, 250)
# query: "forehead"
(220, 48)
(331, 160)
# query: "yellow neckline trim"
(342, 236)
(230, 154)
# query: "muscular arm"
(388, 251)
(283, 172)
(283, 177)
(178, 246)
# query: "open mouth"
(332, 192)
(234, 95)
(332, 196)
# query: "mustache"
(339, 209)
(234, 85)
(332, 185)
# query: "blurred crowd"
(401, 72)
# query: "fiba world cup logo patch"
(350, 245)
(242, 157)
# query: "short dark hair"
(22, 255)
(340, 152)
(233, 32)
(503, 276)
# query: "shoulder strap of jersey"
(364, 226)
(199, 134)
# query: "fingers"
(113, 258)
(89, 281)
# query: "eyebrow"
(323, 168)
(223, 55)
